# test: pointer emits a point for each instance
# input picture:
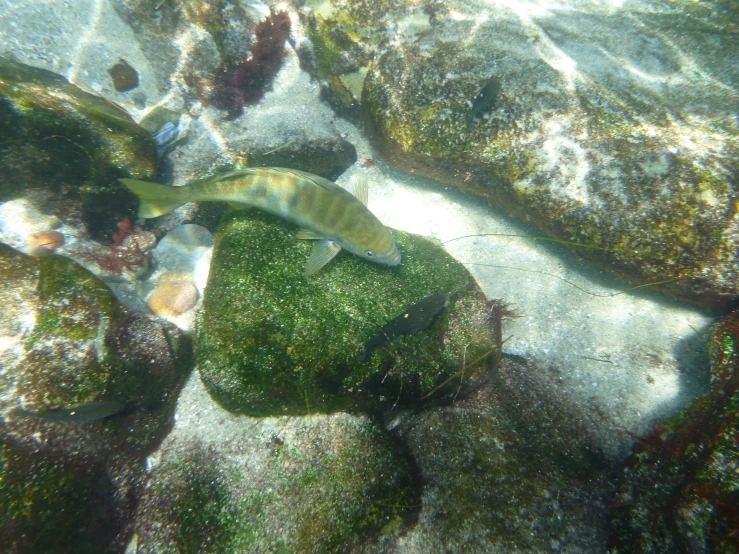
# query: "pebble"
(43, 242)
(183, 246)
(173, 298)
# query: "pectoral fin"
(323, 252)
(307, 234)
(358, 186)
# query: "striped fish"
(333, 216)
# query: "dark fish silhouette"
(419, 316)
(485, 101)
(84, 413)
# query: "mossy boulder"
(66, 148)
(680, 490)
(271, 341)
(497, 480)
(315, 484)
(590, 125)
(345, 37)
(64, 485)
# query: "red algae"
(244, 83)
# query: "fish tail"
(156, 199)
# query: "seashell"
(173, 298)
(49, 240)
(144, 240)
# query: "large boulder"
(87, 392)
(271, 341)
(497, 479)
(227, 483)
(589, 123)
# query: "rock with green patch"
(499, 480)
(66, 148)
(66, 342)
(600, 130)
(271, 341)
(226, 483)
(680, 490)
(346, 36)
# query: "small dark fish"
(84, 413)
(416, 318)
(485, 101)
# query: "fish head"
(377, 246)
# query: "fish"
(417, 317)
(484, 101)
(84, 413)
(333, 216)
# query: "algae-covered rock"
(496, 482)
(71, 342)
(346, 36)
(595, 128)
(271, 341)
(65, 343)
(225, 483)
(68, 148)
(680, 491)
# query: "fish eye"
(369, 253)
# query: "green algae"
(271, 341)
(70, 342)
(42, 106)
(82, 345)
(66, 290)
(345, 39)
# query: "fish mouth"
(395, 259)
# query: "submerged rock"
(66, 148)
(225, 483)
(495, 480)
(327, 157)
(124, 76)
(680, 490)
(599, 133)
(65, 342)
(271, 341)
